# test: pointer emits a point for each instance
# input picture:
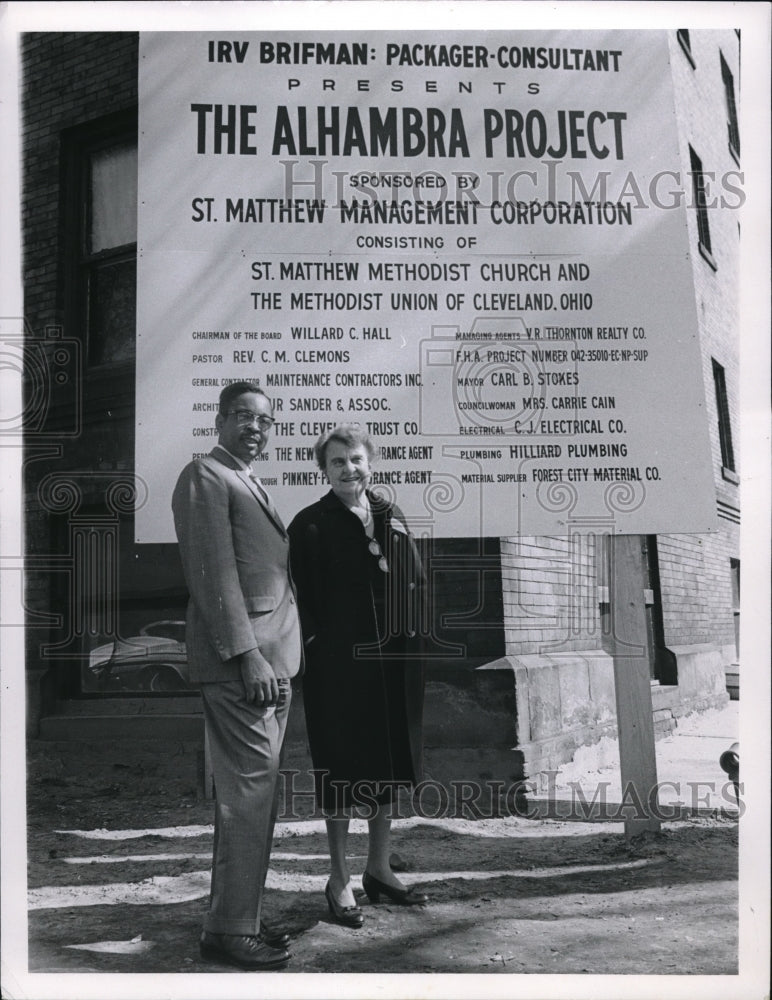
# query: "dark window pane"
(112, 312)
(724, 424)
(733, 125)
(700, 200)
(682, 34)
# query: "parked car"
(155, 660)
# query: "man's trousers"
(245, 743)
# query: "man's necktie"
(266, 499)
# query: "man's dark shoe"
(273, 936)
(245, 951)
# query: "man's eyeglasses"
(245, 417)
(376, 550)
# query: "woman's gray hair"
(350, 435)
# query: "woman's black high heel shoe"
(406, 897)
(349, 916)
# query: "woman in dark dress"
(360, 587)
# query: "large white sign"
(475, 247)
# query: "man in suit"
(243, 642)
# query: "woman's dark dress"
(363, 680)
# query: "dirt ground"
(119, 843)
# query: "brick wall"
(550, 594)
(67, 79)
(696, 577)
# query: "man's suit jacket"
(235, 555)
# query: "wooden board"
(632, 683)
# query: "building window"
(100, 192)
(724, 423)
(700, 201)
(734, 568)
(733, 125)
(682, 34)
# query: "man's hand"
(259, 679)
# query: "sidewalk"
(119, 874)
(690, 779)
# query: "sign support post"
(632, 685)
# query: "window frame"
(724, 423)
(682, 34)
(735, 577)
(78, 263)
(733, 120)
(700, 205)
